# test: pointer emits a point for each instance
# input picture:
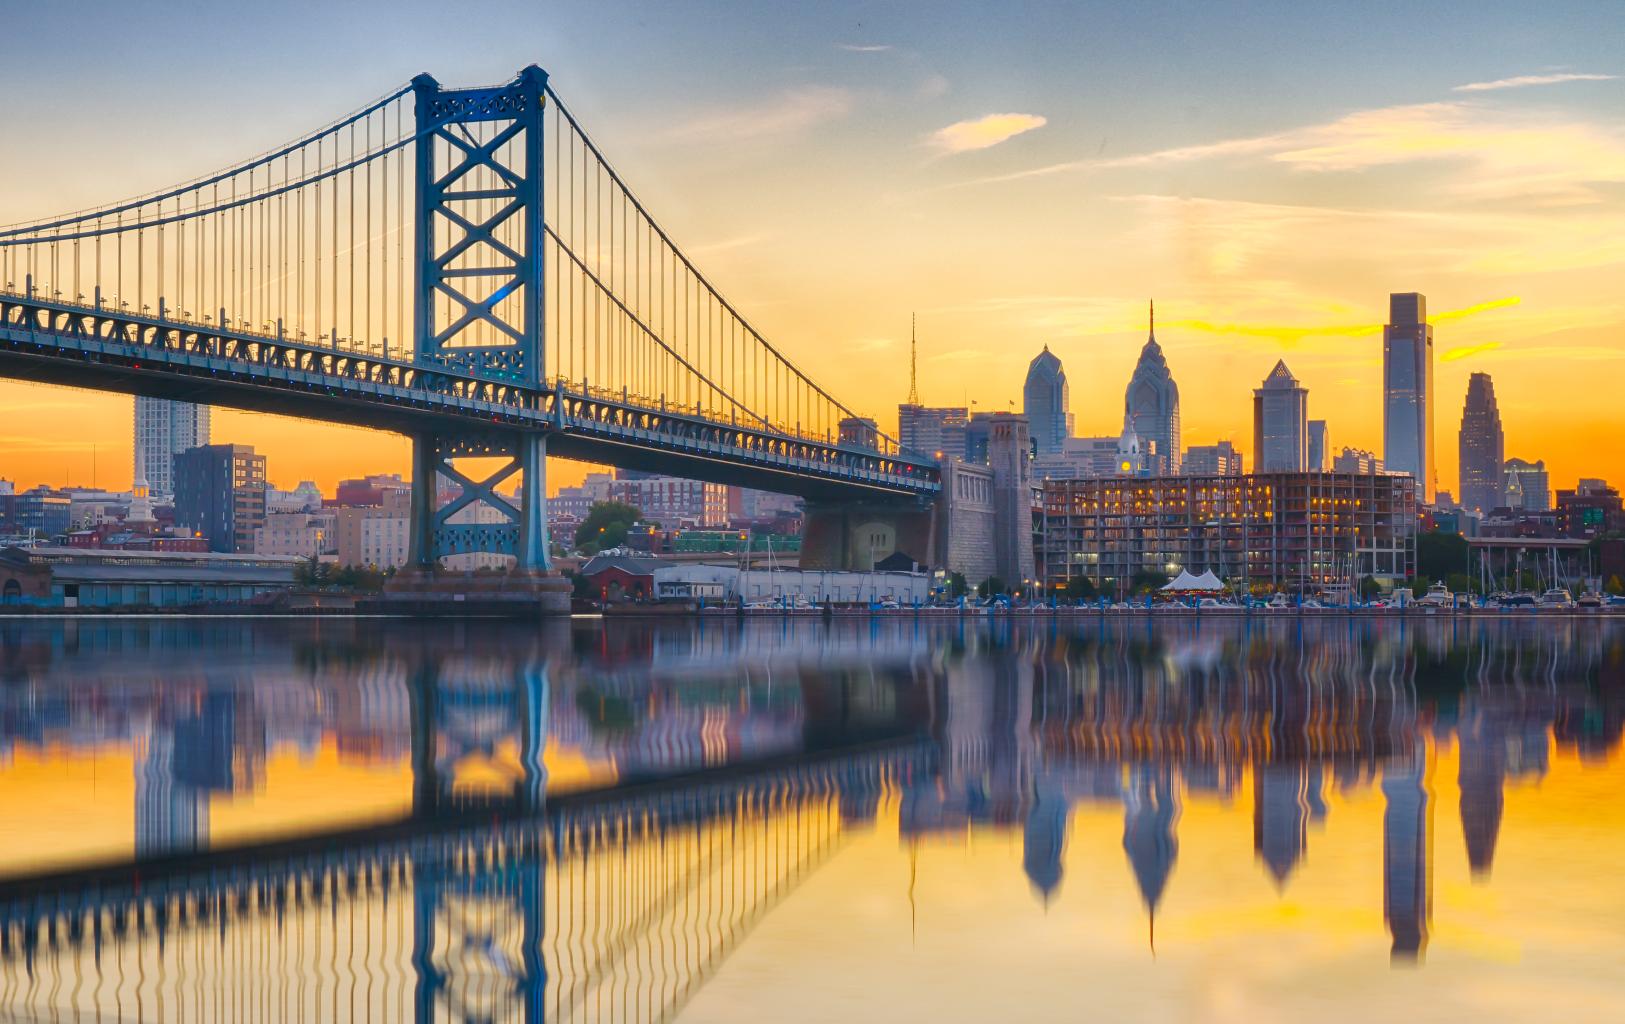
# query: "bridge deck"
(82, 346)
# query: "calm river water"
(792, 820)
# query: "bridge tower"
(479, 280)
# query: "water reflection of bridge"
(616, 907)
(1027, 723)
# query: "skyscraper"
(936, 432)
(1044, 402)
(1151, 401)
(1407, 377)
(1280, 423)
(164, 429)
(1482, 445)
(1320, 449)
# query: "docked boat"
(1438, 596)
(1557, 597)
(1590, 599)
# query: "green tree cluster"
(606, 526)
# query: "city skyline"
(1493, 158)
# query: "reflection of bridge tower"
(465, 712)
(1407, 862)
(1285, 798)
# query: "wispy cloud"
(983, 132)
(785, 114)
(1501, 154)
(865, 47)
(1468, 351)
(1524, 81)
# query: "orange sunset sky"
(1018, 177)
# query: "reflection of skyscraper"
(1045, 838)
(1151, 402)
(1150, 814)
(1407, 862)
(1044, 401)
(1407, 372)
(1285, 798)
(1482, 446)
(1483, 773)
(170, 815)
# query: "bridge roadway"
(97, 347)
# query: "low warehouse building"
(61, 577)
(730, 584)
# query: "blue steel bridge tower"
(479, 290)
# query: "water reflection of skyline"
(1023, 726)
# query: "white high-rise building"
(164, 429)
(1280, 423)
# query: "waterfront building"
(727, 583)
(164, 429)
(1526, 486)
(1482, 446)
(374, 536)
(38, 511)
(220, 493)
(67, 577)
(935, 432)
(1297, 530)
(1407, 373)
(301, 534)
(1219, 459)
(1280, 423)
(1151, 401)
(1320, 451)
(1357, 460)
(1591, 509)
(1045, 401)
(672, 502)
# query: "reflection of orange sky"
(1539, 940)
(59, 805)
(568, 770)
(65, 805)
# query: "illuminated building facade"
(1298, 530)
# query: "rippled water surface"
(793, 820)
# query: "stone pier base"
(412, 591)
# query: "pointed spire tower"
(1151, 401)
(913, 364)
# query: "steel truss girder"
(70, 335)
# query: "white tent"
(1185, 583)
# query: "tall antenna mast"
(913, 364)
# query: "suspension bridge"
(462, 266)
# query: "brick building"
(1297, 530)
